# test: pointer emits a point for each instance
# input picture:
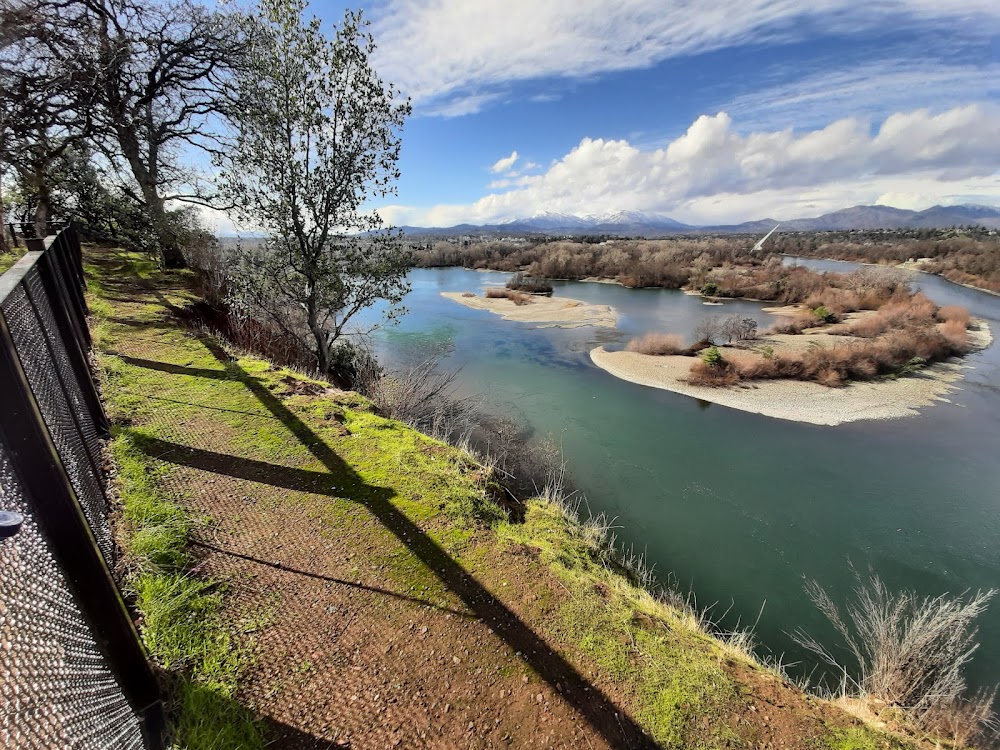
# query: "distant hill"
(647, 224)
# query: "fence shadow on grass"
(596, 708)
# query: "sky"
(708, 111)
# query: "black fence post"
(72, 542)
(13, 235)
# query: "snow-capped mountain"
(649, 224)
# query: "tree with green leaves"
(318, 137)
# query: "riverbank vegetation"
(643, 646)
(967, 256)
(531, 284)
(859, 325)
(970, 255)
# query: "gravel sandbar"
(797, 400)
(549, 312)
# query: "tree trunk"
(145, 175)
(170, 251)
(322, 351)
(41, 185)
(4, 246)
(42, 211)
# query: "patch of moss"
(674, 673)
(861, 738)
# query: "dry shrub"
(837, 301)
(909, 312)
(957, 333)
(866, 327)
(518, 298)
(657, 344)
(752, 366)
(955, 313)
(744, 360)
(719, 375)
(792, 325)
(896, 352)
(908, 652)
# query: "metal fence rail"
(73, 673)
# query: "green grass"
(679, 683)
(181, 624)
(7, 260)
(639, 642)
(861, 738)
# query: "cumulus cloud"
(714, 173)
(505, 164)
(441, 51)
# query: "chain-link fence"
(73, 673)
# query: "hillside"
(647, 224)
(309, 574)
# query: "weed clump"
(908, 653)
(518, 298)
(657, 344)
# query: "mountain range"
(648, 224)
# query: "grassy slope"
(686, 689)
(8, 259)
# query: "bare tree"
(46, 85)
(165, 85)
(738, 328)
(708, 330)
(317, 138)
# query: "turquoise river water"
(740, 508)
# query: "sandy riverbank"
(548, 312)
(797, 400)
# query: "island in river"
(799, 400)
(548, 312)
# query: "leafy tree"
(317, 136)
(712, 357)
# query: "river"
(737, 507)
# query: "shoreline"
(800, 400)
(548, 312)
(905, 266)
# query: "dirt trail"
(369, 634)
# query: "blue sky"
(705, 110)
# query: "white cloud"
(505, 164)
(713, 173)
(870, 90)
(443, 50)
